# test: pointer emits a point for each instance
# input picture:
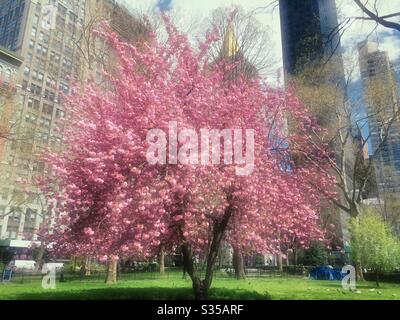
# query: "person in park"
(112, 202)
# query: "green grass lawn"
(178, 288)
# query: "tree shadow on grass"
(153, 293)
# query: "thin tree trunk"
(359, 272)
(162, 260)
(74, 263)
(112, 272)
(377, 279)
(88, 266)
(280, 264)
(39, 258)
(199, 287)
(238, 264)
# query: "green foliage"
(372, 243)
(259, 260)
(94, 267)
(6, 255)
(315, 255)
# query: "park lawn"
(177, 288)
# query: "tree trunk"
(74, 264)
(112, 272)
(39, 258)
(296, 256)
(359, 272)
(238, 264)
(354, 210)
(200, 289)
(280, 264)
(377, 279)
(162, 260)
(88, 266)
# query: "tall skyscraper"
(309, 32)
(381, 97)
(12, 21)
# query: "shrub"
(373, 245)
(315, 255)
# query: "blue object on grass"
(7, 273)
(326, 273)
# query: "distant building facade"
(381, 98)
(46, 33)
(10, 64)
(42, 32)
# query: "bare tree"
(371, 12)
(243, 39)
(93, 52)
(345, 125)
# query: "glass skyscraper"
(309, 32)
(12, 18)
(381, 95)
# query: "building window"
(44, 122)
(36, 89)
(30, 118)
(38, 76)
(31, 44)
(60, 113)
(7, 76)
(29, 57)
(44, 38)
(33, 32)
(50, 82)
(30, 215)
(47, 109)
(48, 95)
(64, 87)
(33, 103)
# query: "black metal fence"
(28, 276)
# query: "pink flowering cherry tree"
(137, 169)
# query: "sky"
(188, 11)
